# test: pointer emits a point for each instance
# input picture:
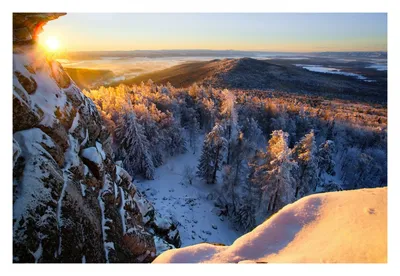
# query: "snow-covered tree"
(326, 153)
(361, 169)
(359, 131)
(238, 191)
(207, 112)
(194, 130)
(188, 175)
(244, 217)
(275, 176)
(252, 133)
(303, 125)
(234, 175)
(210, 162)
(253, 186)
(152, 132)
(134, 145)
(190, 122)
(175, 143)
(330, 130)
(229, 119)
(305, 154)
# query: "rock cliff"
(71, 201)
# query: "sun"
(52, 44)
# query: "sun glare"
(52, 44)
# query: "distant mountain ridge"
(250, 73)
(208, 53)
(356, 54)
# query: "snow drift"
(337, 227)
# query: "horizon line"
(226, 50)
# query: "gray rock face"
(71, 202)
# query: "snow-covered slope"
(188, 205)
(337, 227)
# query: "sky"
(285, 32)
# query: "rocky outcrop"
(167, 229)
(71, 201)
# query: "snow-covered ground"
(331, 70)
(378, 67)
(189, 205)
(337, 227)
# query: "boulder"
(166, 229)
(23, 116)
(93, 160)
(140, 243)
(29, 84)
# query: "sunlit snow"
(337, 227)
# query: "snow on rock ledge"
(93, 160)
(63, 209)
(337, 227)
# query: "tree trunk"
(228, 158)
(300, 182)
(233, 199)
(214, 177)
(274, 205)
(269, 204)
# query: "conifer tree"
(134, 144)
(305, 154)
(191, 124)
(275, 176)
(212, 155)
(194, 129)
(252, 133)
(325, 158)
(236, 192)
(229, 118)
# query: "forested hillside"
(265, 151)
(274, 75)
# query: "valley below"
(190, 205)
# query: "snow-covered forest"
(263, 152)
